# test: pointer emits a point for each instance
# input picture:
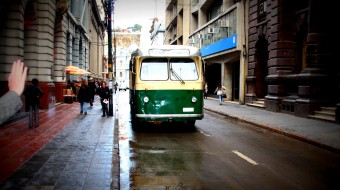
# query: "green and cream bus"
(166, 85)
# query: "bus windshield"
(158, 69)
(184, 69)
(154, 69)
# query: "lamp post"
(110, 7)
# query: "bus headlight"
(193, 99)
(146, 99)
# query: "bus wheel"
(190, 124)
(134, 123)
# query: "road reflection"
(158, 156)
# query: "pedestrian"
(206, 90)
(219, 91)
(84, 96)
(116, 86)
(98, 86)
(11, 102)
(104, 94)
(33, 93)
(73, 87)
(92, 86)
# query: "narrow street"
(220, 154)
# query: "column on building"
(39, 49)
(271, 55)
(60, 56)
(69, 40)
(281, 59)
(318, 82)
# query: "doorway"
(213, 76)
(236, 81)
(261, 69)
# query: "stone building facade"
(49, 35)
(219, 29)
(273, 54)
(292, 65)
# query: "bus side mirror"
(203, 63)
(132, 65)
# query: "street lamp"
(110, 8)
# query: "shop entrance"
(236, 81)
(213, 77)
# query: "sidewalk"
(67, 150)
(317, 132)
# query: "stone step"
(258, 102)
(329, 108)
(322, 117)
(325, 112)
(255, 105)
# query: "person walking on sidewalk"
(116, 86)
(205, 90)
(84, 96)
(219, 91)
(33, 94)
(92, 86)
(104, 94)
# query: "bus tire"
(134, 123)
(191, 124)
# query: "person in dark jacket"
(84, 96)
(92, 86)
(116, 86)
(104, 94)
(33, 94)
(98, 86)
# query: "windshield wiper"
(177, 76)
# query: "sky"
(127, 13)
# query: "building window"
(214, 10)
(220, 29)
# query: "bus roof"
(167, 50)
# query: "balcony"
(217, 34)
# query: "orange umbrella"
(79, 72)
(71, 68)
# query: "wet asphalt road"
(219, 154)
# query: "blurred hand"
(17, 78)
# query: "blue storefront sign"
(222, 45)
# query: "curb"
(115, 183)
